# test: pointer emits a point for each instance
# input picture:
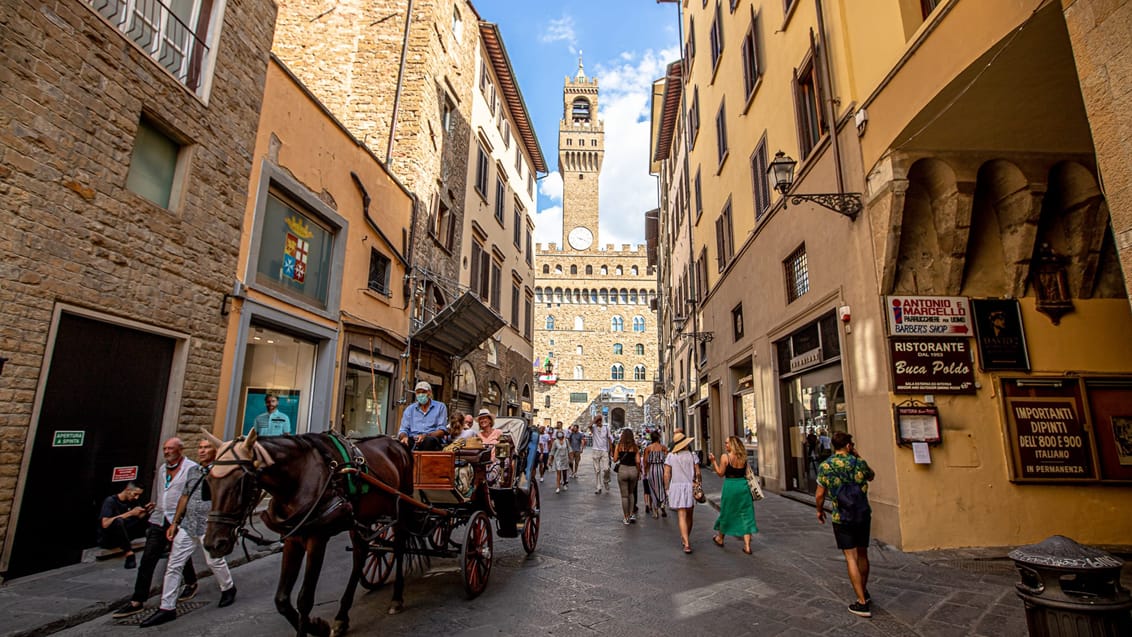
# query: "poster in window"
(1122, 433)
(1000, 335)
(1049, 438)
(271, 412)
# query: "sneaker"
(868, 597)
(557, 490)
(129, 609)
(187, 593)
(162, 616)
(625, 521)
(633, 519)
(565, 487)
(540, 478)
(860, 610)
(597, 492)
(131, 561)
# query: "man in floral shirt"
(842, 468)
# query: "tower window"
(580, 110)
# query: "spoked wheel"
(475, 556)
(379, 562)
(438, 539)
(531, 524)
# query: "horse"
(311, 502)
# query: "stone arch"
(573, 269)
(933, 231)
(1004, 217)
(1074, 222)
(538, 295)
(557, 295)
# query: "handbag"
(753, 485)
(698, 489)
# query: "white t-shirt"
(602, 438)
(544, 443)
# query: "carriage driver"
(425, 422)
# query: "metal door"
(110, 383)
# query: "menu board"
(917, 423)
(1049, 438)
(932, 366)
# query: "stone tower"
(581, 148)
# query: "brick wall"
(71, 94)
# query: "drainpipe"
(400, 82)
(827, 81)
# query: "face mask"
(422, 398)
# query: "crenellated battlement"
(627, 250)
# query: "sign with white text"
(932, 366)
(1049, 438)
(928, 316)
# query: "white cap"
(423, 386)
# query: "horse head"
(233, 482)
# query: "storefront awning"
(696, 404)
(460, 327)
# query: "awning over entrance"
(460, 327)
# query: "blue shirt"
(415, 421)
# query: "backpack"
(852, 502)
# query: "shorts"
(852, 536)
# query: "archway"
(616, 419)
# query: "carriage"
(456, 494)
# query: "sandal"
(718, 540)
(687, 549)
(747, 550)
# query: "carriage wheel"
(531, 524)
(379, 562)
(438, 539)
(475, 556)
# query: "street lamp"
(781, 171)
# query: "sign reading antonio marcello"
(932, 366)
(1049, 438)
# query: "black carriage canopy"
(460, 327)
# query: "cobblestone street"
(593, 575)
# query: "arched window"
(617, 372)
(573, 269)
(558, 269)
(624, 295)
(638, 323)
(593, 296)
(589, 269)
(640, 349)
(617, 324)
(580, 110)
(558, 294)
(579, 372)
(604, 270)
(546, 268)
(577, 296)
(618, 271)
(550, 322)
(634, 271)
(579, 324)
(617, 349)
(639, 372)
(604, 296)
(633, 297)
(538, 295)
(578, 350)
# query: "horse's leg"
(316, 552)
(360, 549)
(288, 573)
(399, 537)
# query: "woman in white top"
(680, 470)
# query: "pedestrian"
(532, 453)
(846, 476)
(680, 471)
(169, 484)
(559, 429)
(560, 461)
(603, 453)
(577, 443)
(736, 508)
(424, 424)
(122, 520)
(652, 465)
(627, 454)
(186, 534)
(543, 451)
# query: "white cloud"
(551, 186)
(548, 225)
(561, 30)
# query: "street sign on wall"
(928, 316)
(68, 438)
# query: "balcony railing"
(164, 33)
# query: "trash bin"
(1071, 590)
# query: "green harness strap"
(352, 487)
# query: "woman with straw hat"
(680, 471)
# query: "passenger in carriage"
(489, 435)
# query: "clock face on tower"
(580, 238)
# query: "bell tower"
(581, 148)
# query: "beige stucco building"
(594, 328)
(969, 296)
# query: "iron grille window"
(737, 321)
(379, 272)
(797, 274)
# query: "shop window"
(276, 383)
(365, 409)
(295, 251)
(155, 165)
(797, 274)
(589, 269)
(379, 272)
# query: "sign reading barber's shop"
(932, 366)
(938, 316)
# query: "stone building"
(595, 331)
(124, 166)
(402, 77)
(938, 272)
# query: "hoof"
(339, 628)
(396, 607)
(318, 627)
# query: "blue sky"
(626, 44)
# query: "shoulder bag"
(698, 488)
(753, 485)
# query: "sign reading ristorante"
(928, 315)
(932, 366)
(1049, 438)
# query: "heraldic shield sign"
(295, 250)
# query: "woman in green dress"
(736, 508)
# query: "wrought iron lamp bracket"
(848, 204)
